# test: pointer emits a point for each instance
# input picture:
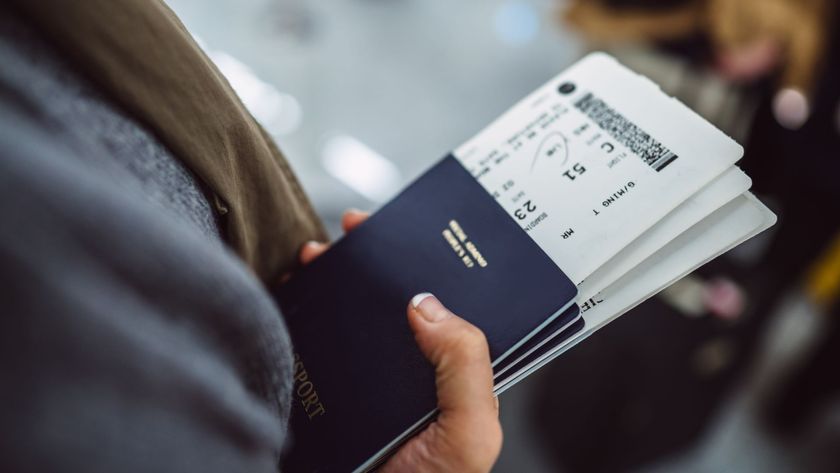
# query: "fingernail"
(429, 307)
(315, 245)
(496, 402)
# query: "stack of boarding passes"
(624, 188)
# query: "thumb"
(459, 352)
(466, 436)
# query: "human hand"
(467, 435)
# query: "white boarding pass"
(724, 188)
(594, 158)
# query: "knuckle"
(468, 343)
(473, 339)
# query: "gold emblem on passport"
(462, 246)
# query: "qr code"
(652, 152)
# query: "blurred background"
(737, 367)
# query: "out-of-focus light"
(724, 298)
(361, 168)
(790, 108)
(278, 112)
(516, 23)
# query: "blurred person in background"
(779, 60)
(146, 217)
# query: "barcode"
(652, 152)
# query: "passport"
(361, 383)
(539, 355)
(541, 342)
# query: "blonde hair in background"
(798, 28)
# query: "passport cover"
(547, 337)
(361, 384)
(532, 362)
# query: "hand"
(466, 436)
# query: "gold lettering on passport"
(456, 247)
(305, 391)
(476, 254)
(457, 230)
(455, 236)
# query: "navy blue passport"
(539, 356)
(361, 384)
(546, 338)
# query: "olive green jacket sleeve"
(142, 56)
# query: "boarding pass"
(592, 159)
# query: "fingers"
(312, 250)
(352, 218)
(464, 376)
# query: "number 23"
(527, 208)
